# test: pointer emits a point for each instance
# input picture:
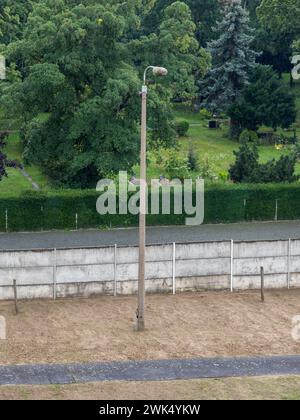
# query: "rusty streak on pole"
(142, 224)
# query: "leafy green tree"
(280, 21)
(246, 163)
(175, 46)
(79, 91)
(248, 169)
(265, 101)
(232, 59)
(180, 49)
(4, 162)
(204, 13)
(13, 16)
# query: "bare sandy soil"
(184, 326)
(264, 388)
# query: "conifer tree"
(232, 58)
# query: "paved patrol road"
(155, 235)
(149, 370)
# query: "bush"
(204, 113)
(182, 128)
(248, 136)
(192, 160)
(176, 165)
(35, 211)
(248, 169)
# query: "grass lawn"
(260, 388)
(16, 182)
(216, 146)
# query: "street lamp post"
(157, 71)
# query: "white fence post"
(289, 264)
(115, 271)
(54, 274)
(6, 220)
(231, 266)
(174, 268)
(76, 221)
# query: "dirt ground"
(264, 388)
(183, 326)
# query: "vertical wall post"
(231, 266)
(6, 220)
(115, 270)
(262, 283)
(16, 297)
(289, 264)
(174, 268)
(276, 211)
(54, 274)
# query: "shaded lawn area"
(260, 388)
(215, 146)
(16, 182)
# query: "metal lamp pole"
(157, 71)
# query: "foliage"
(4, 162)
(265, 101)
(182, 128)
(176, 165)
(248, 169)
(204, 12)
(173, 43)
(232, 59)
(248, 136)
(34, 211)
(280, 25)
(204, 113)
(193, 163)
(77, 70)
(13, 16)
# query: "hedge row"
(223, 204)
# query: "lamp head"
(159, 71)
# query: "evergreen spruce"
(232, 58)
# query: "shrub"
(176, 165)
(192, 160)
(248, 169)
(248, 136)
(205, 114)
(223, 204)
(182, 127)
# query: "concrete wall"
(194, 266)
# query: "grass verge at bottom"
(258, 388)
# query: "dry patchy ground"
(183, 326)
(268, 388)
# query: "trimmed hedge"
(36, 211)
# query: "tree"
(13, 16)
(246, 163)
(280, 22)
(232, 59)
(280, 16)
(248, 169)
(4, 162)
(79, 91)
(204, 13)
(265, 101)
(180, 50)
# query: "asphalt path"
(155, 235)
(149, 370)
